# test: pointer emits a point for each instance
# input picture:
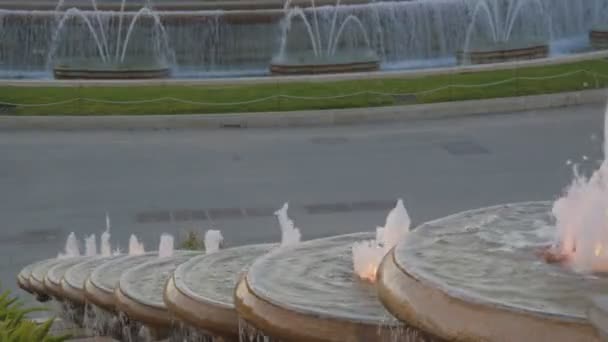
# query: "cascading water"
(403, 34)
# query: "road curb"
(349, 116)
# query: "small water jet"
(290, 234)
(367, 255)
(325, 54)
(165, 247)
(135, 246)
(213, 241)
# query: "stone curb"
(332, 117)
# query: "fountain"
(510, 272)
(111, 60)
(325, 55)
(506, 30)
(139, 294)
(200, 292)
(242, 39)
(311, 291)
(598, 35)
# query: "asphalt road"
(337, 180)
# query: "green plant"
(15, 325)
(192, 242)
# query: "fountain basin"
(37, 275)
(201, 290)
(309, 292)
(100, 286)
(72, 285)
(476, 276)
(23, 278)
(140, 292)
(306, 62)
(598, 315)
(502, 52)
(52, 280)
(598, 37)
(89, 69)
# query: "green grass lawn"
(243, 93)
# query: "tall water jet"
(165, 247)
(213, 241)
(290, 234)
(71, 248)
(581, 216)
(367, 255)
(135, 246)
(90, 245)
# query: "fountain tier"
(309, 292)
(201, 291)
(52, 280)
(476, 276)
(75, 277)
(100, 286)
(140, 291)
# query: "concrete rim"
(148, 315)
(290, 325)
(72, 293)
(200, 314)
(98, 296)
(432, 310)
(24, 284)
(53, 289)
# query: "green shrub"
(192, 242)
(15, 325)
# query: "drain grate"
(462, 148)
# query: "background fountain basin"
(140, 291)
(23, 278)
(483, 52)
(598, 37)
(100, 286)
(306, 62)
(201, 291)
(52, 280)
(476, 276)
(133, 68)
(309, 292)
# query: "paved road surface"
(337, 180)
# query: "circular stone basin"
(309, 292)
(598, 315)
(23, 278)
(140, 290)
(484, 53)
(306, 62)
(52, 281)
(99, 287)
(37, 275)
(201, 291)
(598, 37)
(72, 285)
(87, 69)
(476, 276)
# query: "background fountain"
(505, 30)
(327, 53)
(243, 41)
(112, 57)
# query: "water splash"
(367, 255)
(213, 241)
(90, 245)
(165, 247)
(135, 246)
(106, 247)
(581, 216)
(72, 248)
(290, 234)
